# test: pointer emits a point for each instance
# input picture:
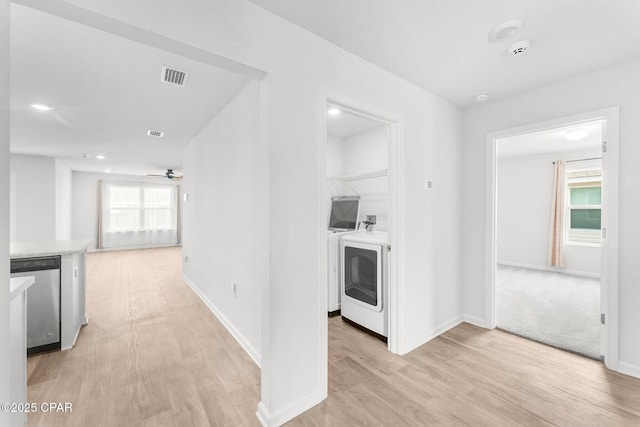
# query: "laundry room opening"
(356, 205)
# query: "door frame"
(395, 125)
(610, 203)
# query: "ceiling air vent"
(155, 133)
(173, 76)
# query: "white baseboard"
(290, 412)
(629, 369)
(130, 248)
(244, 343)
(438, 330)
(549, 268)
(476, 321)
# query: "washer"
(333, 273)
(363, 280)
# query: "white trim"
(284, 415)
(475, 321)
(610, 203)
(244, 343)
(549, 268)
(129, 248)
(629, 369)
(435, 332)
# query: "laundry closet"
(357, 195)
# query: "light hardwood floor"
(153, 355)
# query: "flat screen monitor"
(344, 213)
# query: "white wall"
(226, 235)
(5, 367)
(300, 67)
(366, 151)
(525, 190)
(35, 183)
(84, 201)
(63, 201)
(614, 86)
(359, 153)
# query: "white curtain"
(556, 250)
(137, 215)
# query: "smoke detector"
(174, 76)
(519, 48)
(156, 133)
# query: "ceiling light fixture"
(505, 29)
(576, 134)
(100, 157)
(519, 48)
(481, 96)
(107, 171)
(333, 111)
(41, 107)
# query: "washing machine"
(333, 273)
(364, 280)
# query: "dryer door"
(362, 274)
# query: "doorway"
(552, 301)
(608, 305)
(357, 194)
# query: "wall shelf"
(361, 176)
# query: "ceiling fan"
(168, 174)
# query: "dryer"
(364, 280)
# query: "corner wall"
(35, 184)
(5, 366)
(614, 86)
(226, 217)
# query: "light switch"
(427, 184)
(186, 197)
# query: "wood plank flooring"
(468, 376)
(153, 355)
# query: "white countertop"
(47, 248)
(17, 285)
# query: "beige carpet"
(557, 309)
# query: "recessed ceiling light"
(100, 157)
(481, 96)
(505, 29)
(333, 111)
(41, 107)
(576, 135)
(519, 48)
(85, 156)
(107, 171)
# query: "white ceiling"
(106, 93)
(443, 45)
(551, 141)
(347, 124)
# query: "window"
(584, 202)
(139, 208)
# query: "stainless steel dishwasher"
(43, 301)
